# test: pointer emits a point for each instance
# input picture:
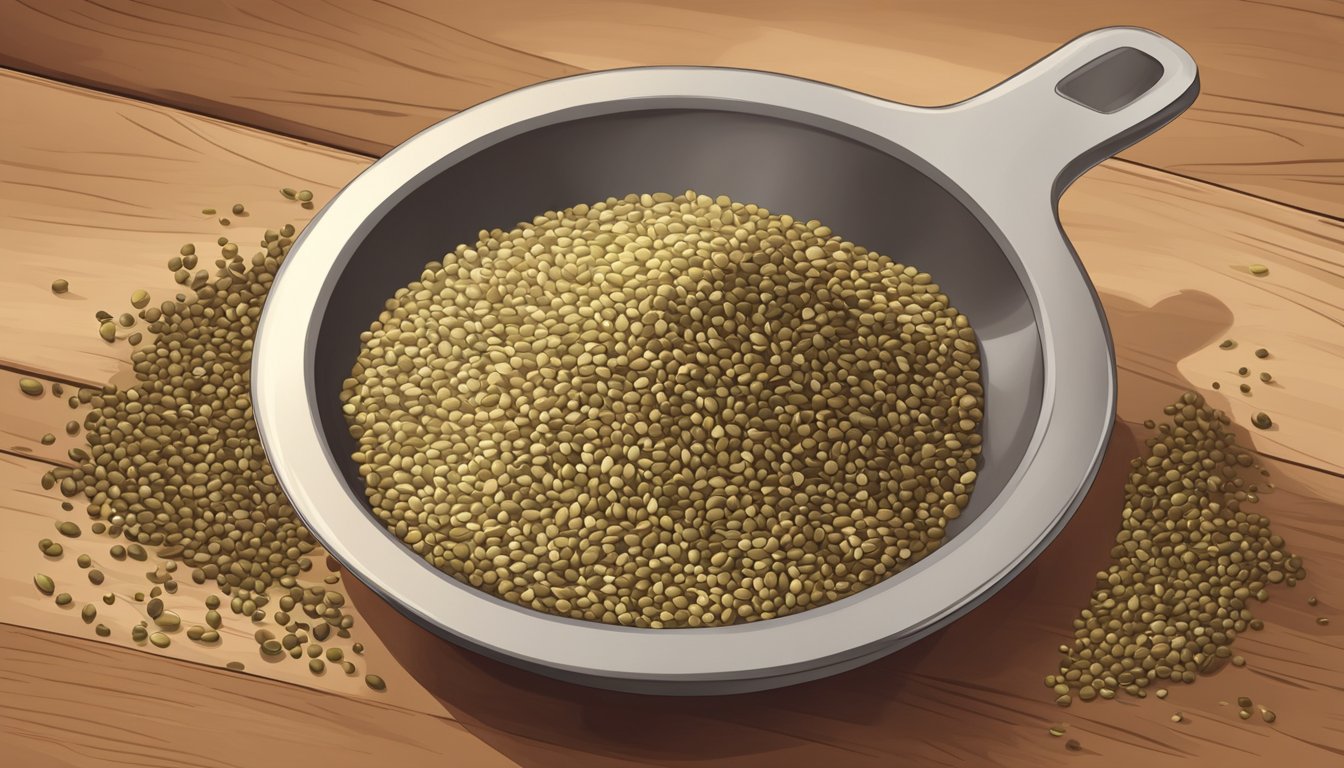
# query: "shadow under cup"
(865, 195)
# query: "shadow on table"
(987, 667)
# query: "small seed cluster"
(175, 463)
(664, 411)
(1191, 559)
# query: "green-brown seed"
(358, 648)
(1244, 702)
(1266, 377)
(69, 529)
(1262, 421)
(304, 196)
(159, 640)
(1244, 714)
(96, 576)
(72, 427)
(1268, 715)
(375, 682)
(139, 298)
(1259, 270)
(108, 330)
(272, 648)
(238, 209)
(31, 387)
(48, 439)
(109, 598)
(316, 666)
(88, 613)
(236, 666)
(139, 633)
(1262, 353)
(59, 286)
(1227, 344)
(168, 620)
(334, 654)
(288, 192)
(64, 599)
(44, 583)
(102, 630)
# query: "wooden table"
(123, 119)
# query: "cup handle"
(1091, 98)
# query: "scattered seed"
(334, 654)
(96, 576)
(159, 640)
(1265, 377)
(48, 439)
(1073, 745)
(272, 648)
(1262, 421)
(1178, 718)
(102, 630)
(287, 192)
(236, 666)
(1311, 600)
(1259, 270)
(1244, 702)
(31, 387)
(1262, 353)
(88, 613)
(1238, 661)
(139, 633)
(238, 209)
(108, 330)
(195, 631)
(84, 561)
(1244, 714)
(59, 286)
(44, 583)
(316, 666)
(1268, 715)
(375, 682)
(168, 620)
(1227, 344)
(224, 222)
(304, 196)
(209, 636)
(1323, 621)
(348, 667)
(1057, 730)
(64, 599)
(358, 648)
(139, 298)
(68, 529)
(109, 598)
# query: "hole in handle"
(1111, 81)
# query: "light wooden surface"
(366, 75)
(102, 190)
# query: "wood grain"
(1160, 249)
(66, 702)
(365, 76)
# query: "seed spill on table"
(665, 411)
(173, 465)
(1190, 559)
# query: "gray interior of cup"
(865, 194)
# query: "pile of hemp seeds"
(1191, 559)
(174, 473)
